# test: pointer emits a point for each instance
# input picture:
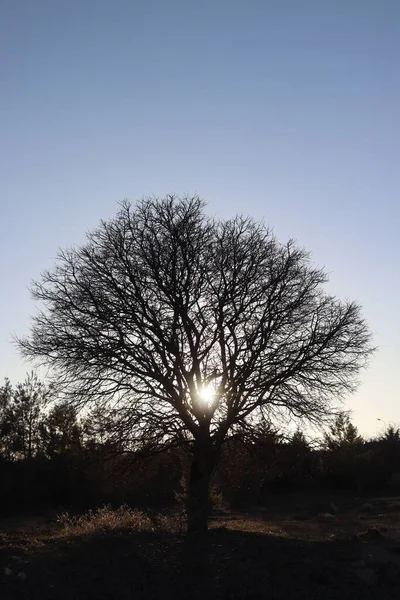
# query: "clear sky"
(286, 110)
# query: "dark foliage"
(74, 464)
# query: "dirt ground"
(328, 546)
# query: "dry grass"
(105, 520)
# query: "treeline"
(342, 460)
(50, 458)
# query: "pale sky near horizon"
(285, 110)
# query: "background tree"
(391, 435)
(387, 457)
(60, 431)
(6, 420)
(29, 400)
(344, 458)
(300, 463)
(342, 434)
(186, 327)
(21, 416)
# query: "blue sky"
(286, 110)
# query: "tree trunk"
(198, 501)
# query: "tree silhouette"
(188, 329)
(343, 434)
(60, 431)
(391, 435)
(6, 420)
(21, 416)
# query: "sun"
(206, 393)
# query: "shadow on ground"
(229, 564)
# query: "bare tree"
(188, 328)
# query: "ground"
(328, 546)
